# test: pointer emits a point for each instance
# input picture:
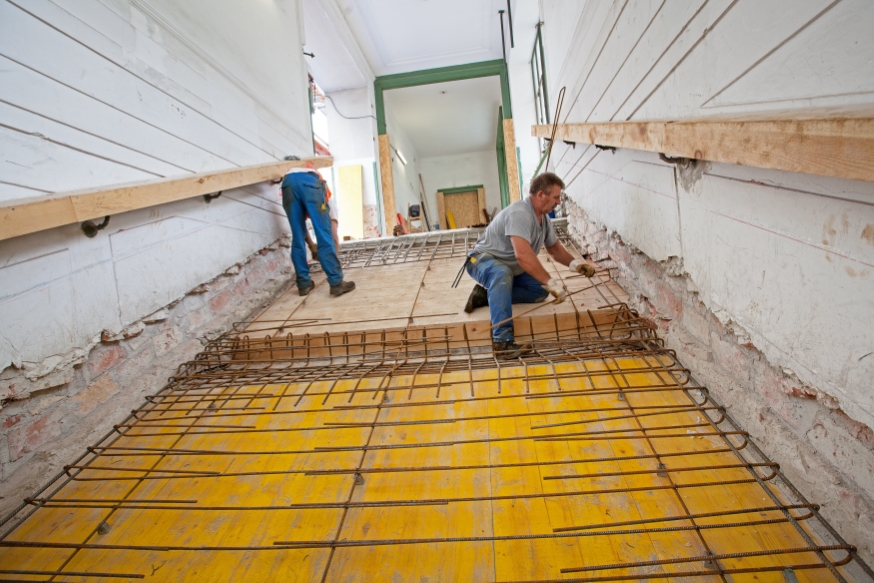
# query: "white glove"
(556, 289)
(581, 267)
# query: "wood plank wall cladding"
(97, 94)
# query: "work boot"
(342, 288)
(305, 290)
(509, 350)
(479, 297)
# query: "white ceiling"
(334, 67)
(398, 36)
(447, 118)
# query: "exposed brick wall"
(827, 455)
(52, 412)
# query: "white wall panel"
(634, 194)
(789, 257)
(99, 92)
(468, 169)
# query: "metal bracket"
(90, 228)
(209, 197)
(606, 148)
(678, 161)
(571, 144)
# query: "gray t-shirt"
(517, 220)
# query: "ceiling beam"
(840, 148)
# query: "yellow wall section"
(349, 195)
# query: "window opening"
(538, 78)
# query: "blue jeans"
(504, 289)
(303, 194)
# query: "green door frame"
(503, 178)
(441, 75)
(496, 68)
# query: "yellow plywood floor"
(413, 455)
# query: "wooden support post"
(388, 184)
(481, 202)
(841, 148)
(21, 217)
(512, 162)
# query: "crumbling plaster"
(52, 411)
(780, 256)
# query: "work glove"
(556, 289)
(582, 267)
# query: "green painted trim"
(519, 165)
(503, 178)
(377, 188)
(460, 189)
(440, 75)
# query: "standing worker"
(304, 193)
(504, 262)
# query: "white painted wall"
(95, 93)
(406, 176)
(353, 142)
(457, 170)
(789, 257)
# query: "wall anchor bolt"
(359, 480)
(103, 528)
(90, 228)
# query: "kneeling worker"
(504, 261)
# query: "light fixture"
(401, 156)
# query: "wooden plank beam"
(31, 215)
(512, 161)
(388, 185)
(841, 148)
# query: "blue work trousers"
(504, 289)
(304, 194)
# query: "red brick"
(27, 438)
(218, 303)
(167, 340)
(94, 394)
(731, 357)
(10, 421)
(103, 358)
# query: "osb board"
(415, 293)
(464, 208)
